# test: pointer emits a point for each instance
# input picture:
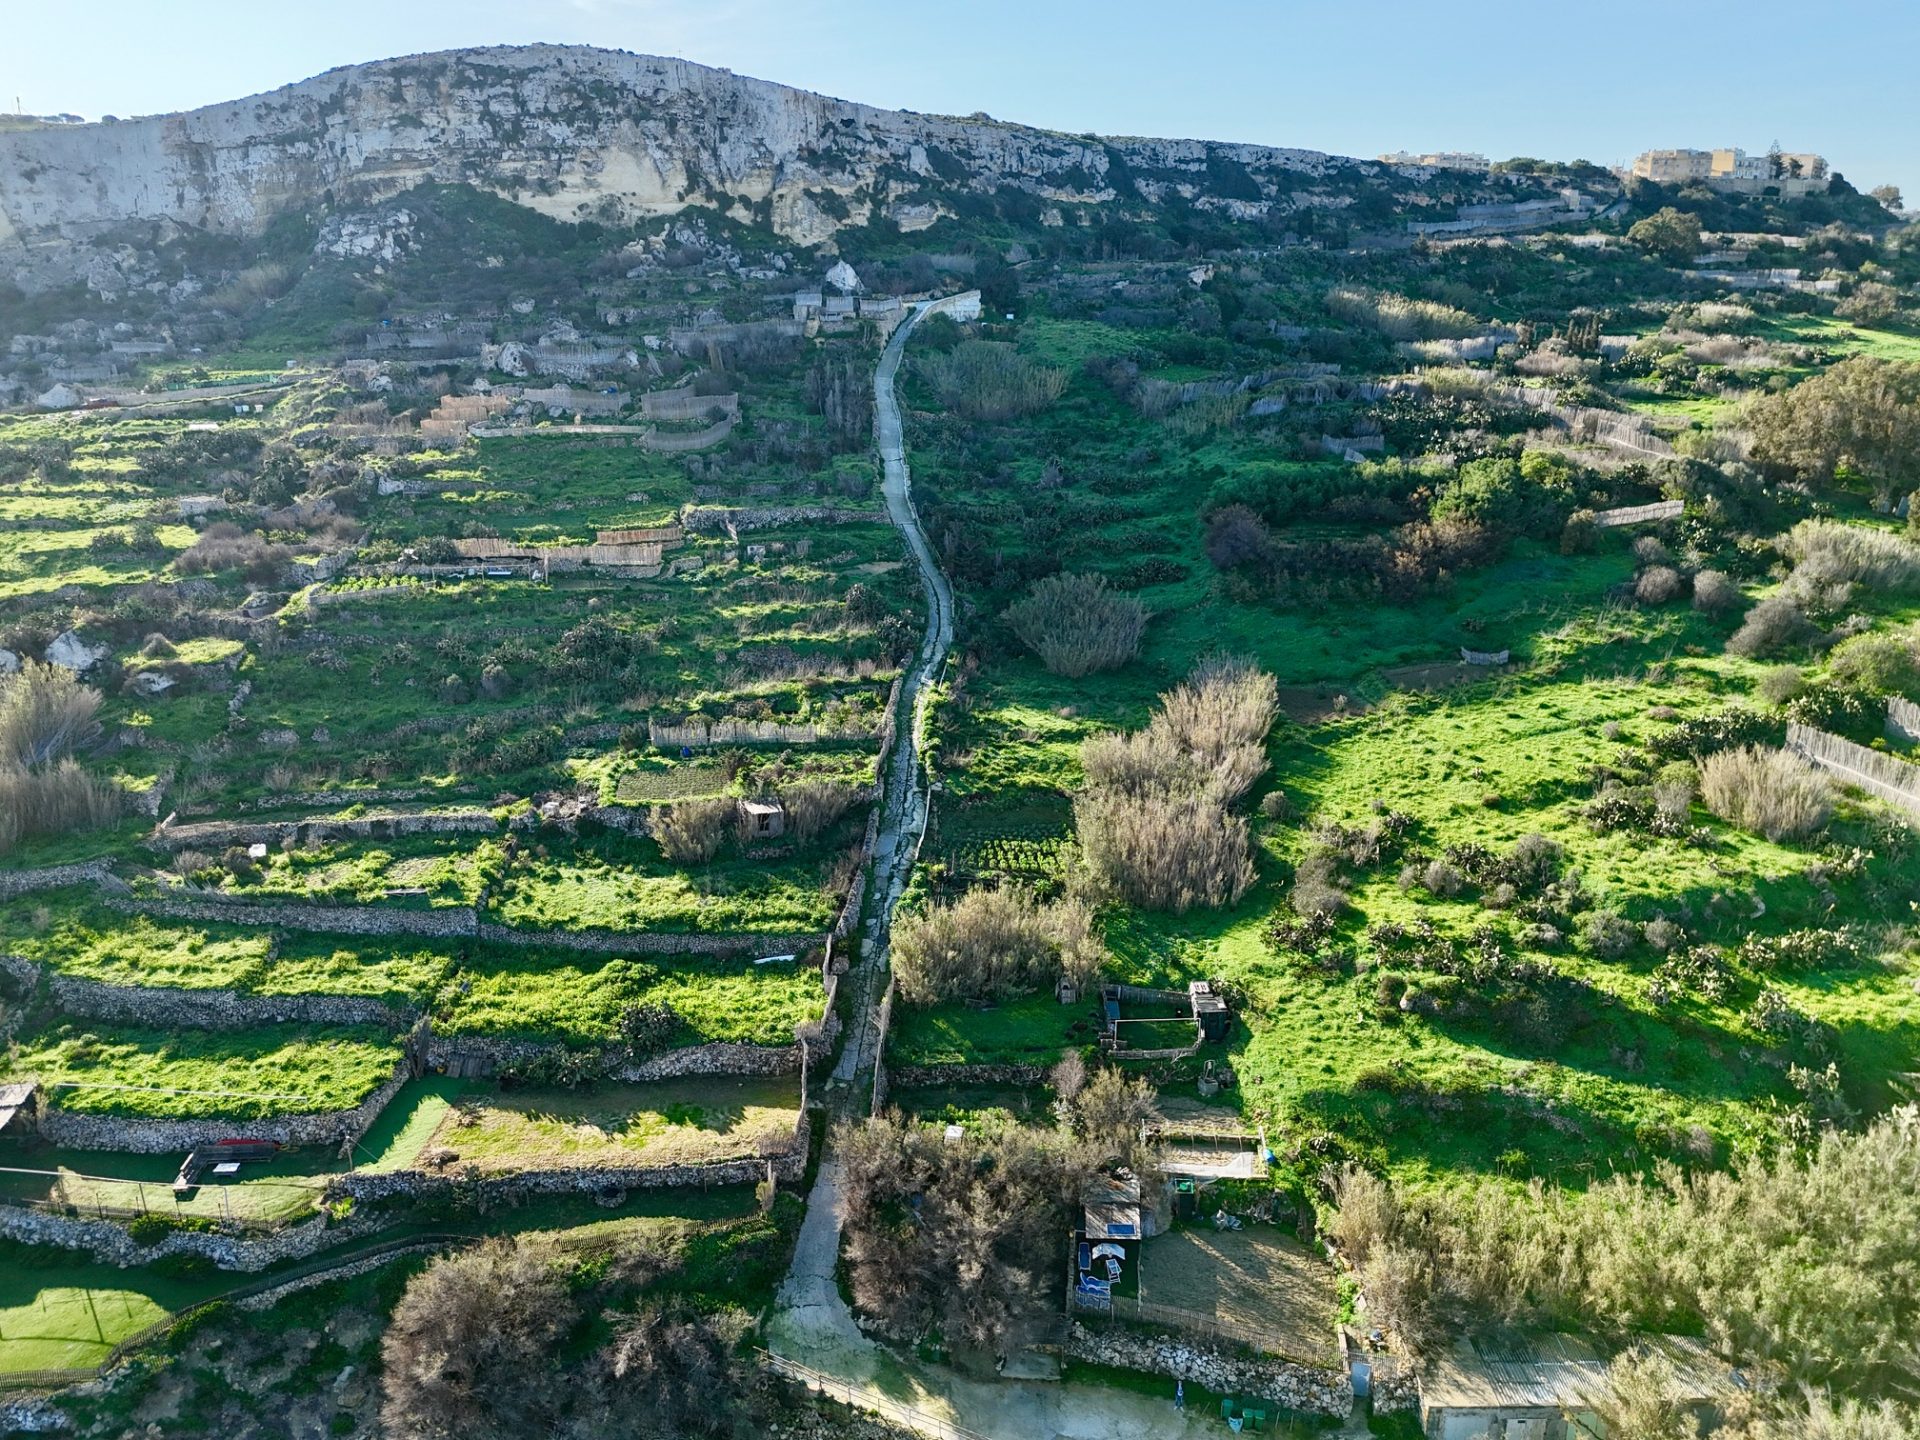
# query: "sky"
(1503, 77)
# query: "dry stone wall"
(1296, 1387)
(445, 922)
(169, 1008)
(370, 1187)
(147, 1136)
(112, 1245)
(54, 877)
(218, 834)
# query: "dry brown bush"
(993, 944)
(1659, 585)
(225, 546)
(814, 806)
(1829, 551)
(1714, 591)
(1162, 851)
(465, 1356)
(1773, 625)
(45, 713)
(1077, 626)
(1153, 821)
(1766, 791)
(691, 832)
(990, 380)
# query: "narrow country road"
(811, 1323)
(904, 809)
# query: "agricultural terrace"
(1684, 989)
(673, 1122)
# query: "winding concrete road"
(903, 815)
(811, 1322)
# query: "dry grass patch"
(676, 1122)
(1257, 1281)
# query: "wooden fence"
(1892, 780)
(748, 732)
(866, 1398)
(1638, 514)
(1903, 719)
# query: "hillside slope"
(580, 133)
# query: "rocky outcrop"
(578, 133)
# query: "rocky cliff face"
(579, 133)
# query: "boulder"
(151, 683)
(9, 663)
(59, 397)
(70, 652)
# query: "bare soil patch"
(1255, 1279)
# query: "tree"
(1641, 1398)
(1863, 415)
(465, 1355)
(1887, 195)
(1669, 234)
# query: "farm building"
(18, 1109)
(1541, 1387)
(765, 819)
(1144, 1023)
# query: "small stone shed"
(765, 819)
(1540, 1387)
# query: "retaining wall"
(200, 1009)
(218, 834)
(445, 922)
(54, 877)
(1297, 1387)
(366, 1187)
(112, 1245)
(145, 1136)
(909, 1076)
(736, 519)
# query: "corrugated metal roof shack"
(1539, 1387)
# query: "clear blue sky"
(1506, 77)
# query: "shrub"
(1773, 625)
(1077, 626)
(647, 1027)
(692, 831)
(990, 380)
(1767, 791)
(45, 713)
(1443, 879)
(992, 944)
(1781, 684)
(815, 806)
(1880, 663)
(1714, 591)
(1607, 934)
(464, 1356)
(1534, 862)
(1648, 551)
(1843, 709)
(1236, 536)
(225, 546)
(1830, 551)
(1659, 585)
(1164, 851)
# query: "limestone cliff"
(581, 133)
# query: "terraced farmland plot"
(98, 1069)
